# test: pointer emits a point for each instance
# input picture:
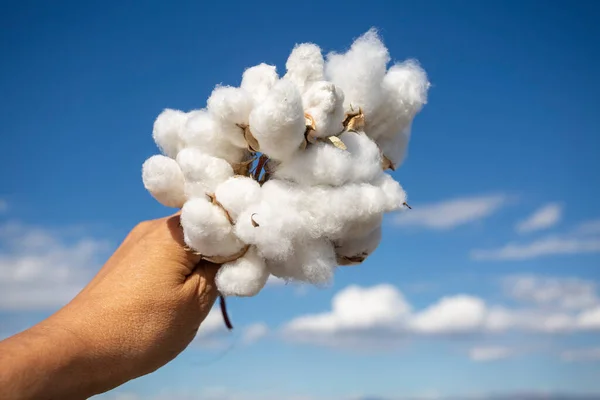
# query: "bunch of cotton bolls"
(286, 175)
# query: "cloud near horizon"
(380, 316)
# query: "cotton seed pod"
(259, 80)
(305, 65)
(207, 229)
(166, 131)
(237, 194)
(164, 180)
(278, 123)
(243, 277)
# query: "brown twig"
(224, 312)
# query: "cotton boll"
(349, 207)
(405, 91)
(230, 107)
(395, 148)
(166, 131)
(207, 230)
(267, 228)
(278, 124)
(394, 196)
(359, 72)
(353, 251)
(238, 193)
(312, 261)
(201, 131)
(322, 211)
(361, 226)
(324, 102)
(203, 173)
(164, 180)
(317, 261)
(243, 277)
(259, 80)
(305, 66)
(324, 164)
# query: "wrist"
(52, 360)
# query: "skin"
(139, 312)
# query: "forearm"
(50, 362)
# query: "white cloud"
(565, 293)
(586, 354)
(380, 317)
(456, 314)
(451, 213)
(591, 227)
(543, 218)
(3, 206)
(42, 268)
(482, 354)
(589, 319)
(254, 332)
(552, 245)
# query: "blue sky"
(502, 174)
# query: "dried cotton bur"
(286, 176)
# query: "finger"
(202, 282)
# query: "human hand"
(138, 313)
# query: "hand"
(139, 312)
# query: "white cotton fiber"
(238, 193)
(259, 80)
(287, 176)
(405, 89)
(230, 108)
(207, 229)
(201, 131)
(324, 164)
(305, 66)
(163, 178)
(312, 261)
(354, 250)
(324, 102)
(203, 173)
(278, 123)
(269, 227)
(243, 277)
(360, 71)
(166, 131)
